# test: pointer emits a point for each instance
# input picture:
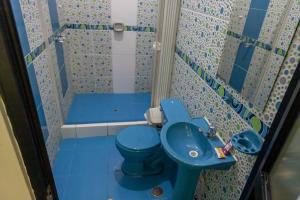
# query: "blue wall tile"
(43, 123)
(237, 78)
(34, 85)
(58, 46)
(64, 81)
(254, 22)
(244, 56)
(60, 55)
(16, 7)
(62, 67)
(45, 133)
(41, 114)
(53, 14)
(253, 25)
(260, 4)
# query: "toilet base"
(135, 169)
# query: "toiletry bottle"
(227, 148)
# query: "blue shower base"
(89, 169)
(100, 108)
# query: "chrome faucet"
(212, 132)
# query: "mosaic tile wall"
(52, 95)
(88, 51)
(194, 82)
(89, 59)
(273, 41)
(147, 17)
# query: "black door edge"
(19, 102)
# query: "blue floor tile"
(63, 163)
(97, 108)
(94, 173)
(61, 183)
(68, 144)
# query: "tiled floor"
(89, 169)
(99, 108)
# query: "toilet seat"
(138, 138)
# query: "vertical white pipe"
(163, 70)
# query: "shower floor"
(89, 168)
(101, 108)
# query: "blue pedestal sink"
(192, 151)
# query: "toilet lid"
(139, 137)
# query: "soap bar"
(220, 153)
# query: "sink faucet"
(212, 132)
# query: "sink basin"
(188, 146)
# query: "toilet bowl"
(140, 147)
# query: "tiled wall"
(100, 60)
(88, 51)
(259, 63)
(147, 17)
(202, 34)
(46, 70)
(123, 46)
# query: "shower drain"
(193, 154)
(157, 191)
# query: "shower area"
(107, 50)
(90, 62)
(99, 54)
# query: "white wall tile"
(68, 131)
(115, 128)
(123, 84)
(124, 43)
(91, 130)
(124, 11)
(123, 73)
(123, 61)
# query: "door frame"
(19, 102)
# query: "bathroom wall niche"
(255, 47)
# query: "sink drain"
(115, 110)
(193, 154)
(157, 191)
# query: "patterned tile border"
(37, 51)
(257, 43)
(258, 125)
(29, 58)
(109, 27)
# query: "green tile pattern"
(246, 39)
(39, 50)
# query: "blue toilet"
(140, 145)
